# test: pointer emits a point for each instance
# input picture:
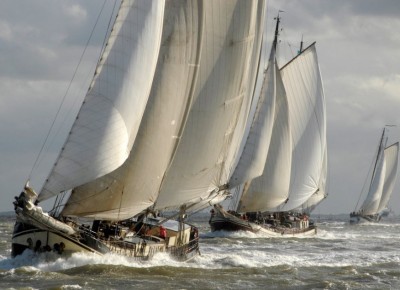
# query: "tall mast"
(301, 45)
(278, 19)
(380, 148)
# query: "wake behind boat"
(381, 184)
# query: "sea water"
(340, 256)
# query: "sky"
(358, 45)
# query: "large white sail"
(224, 86)
(321, 194)
(311, 203)
(272, 188)
(303, 84)
(106, 127)
(391, 160)
(247, 113)
(134, 186)
(371, 203)
(252, 160)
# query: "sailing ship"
(293, 175)
(381, 185)
(156, 132)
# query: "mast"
(380, 148)
(278, 19)
(271, 188)
(301, 45)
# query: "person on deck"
(163, 232)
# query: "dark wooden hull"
(224, 223)
(359, 219)
(26, 236)
(221, 220)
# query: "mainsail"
(134, 186)
(272, 188)
(270, 110)
(391, 158)
(303, 84)
(195, 96)
(108, 121)
(252, 159)
(226, 82)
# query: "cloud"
(76, 11)
(5, 31)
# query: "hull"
(26, 236)
(41, 232)
(231, 223)
(362, 219)
(223, 221)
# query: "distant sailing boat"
(294, 171)
(381, 185)
(155, 132)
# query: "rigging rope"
(65, 95)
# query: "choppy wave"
(340, 256)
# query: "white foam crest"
(253, 254)
(250, 259)
(212, 257)
(379, 225)
(335, 235)
(80, 259)
(251, 235)
(50, 262)
(230, 234)
(24, 260)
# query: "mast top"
(301, 45)
(278, 19)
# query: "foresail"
(371, 203)
(272, 188)
(391, 161)
(224, 86)
(303, 84)
(252, 160)
(134, 186)
(107, 124)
